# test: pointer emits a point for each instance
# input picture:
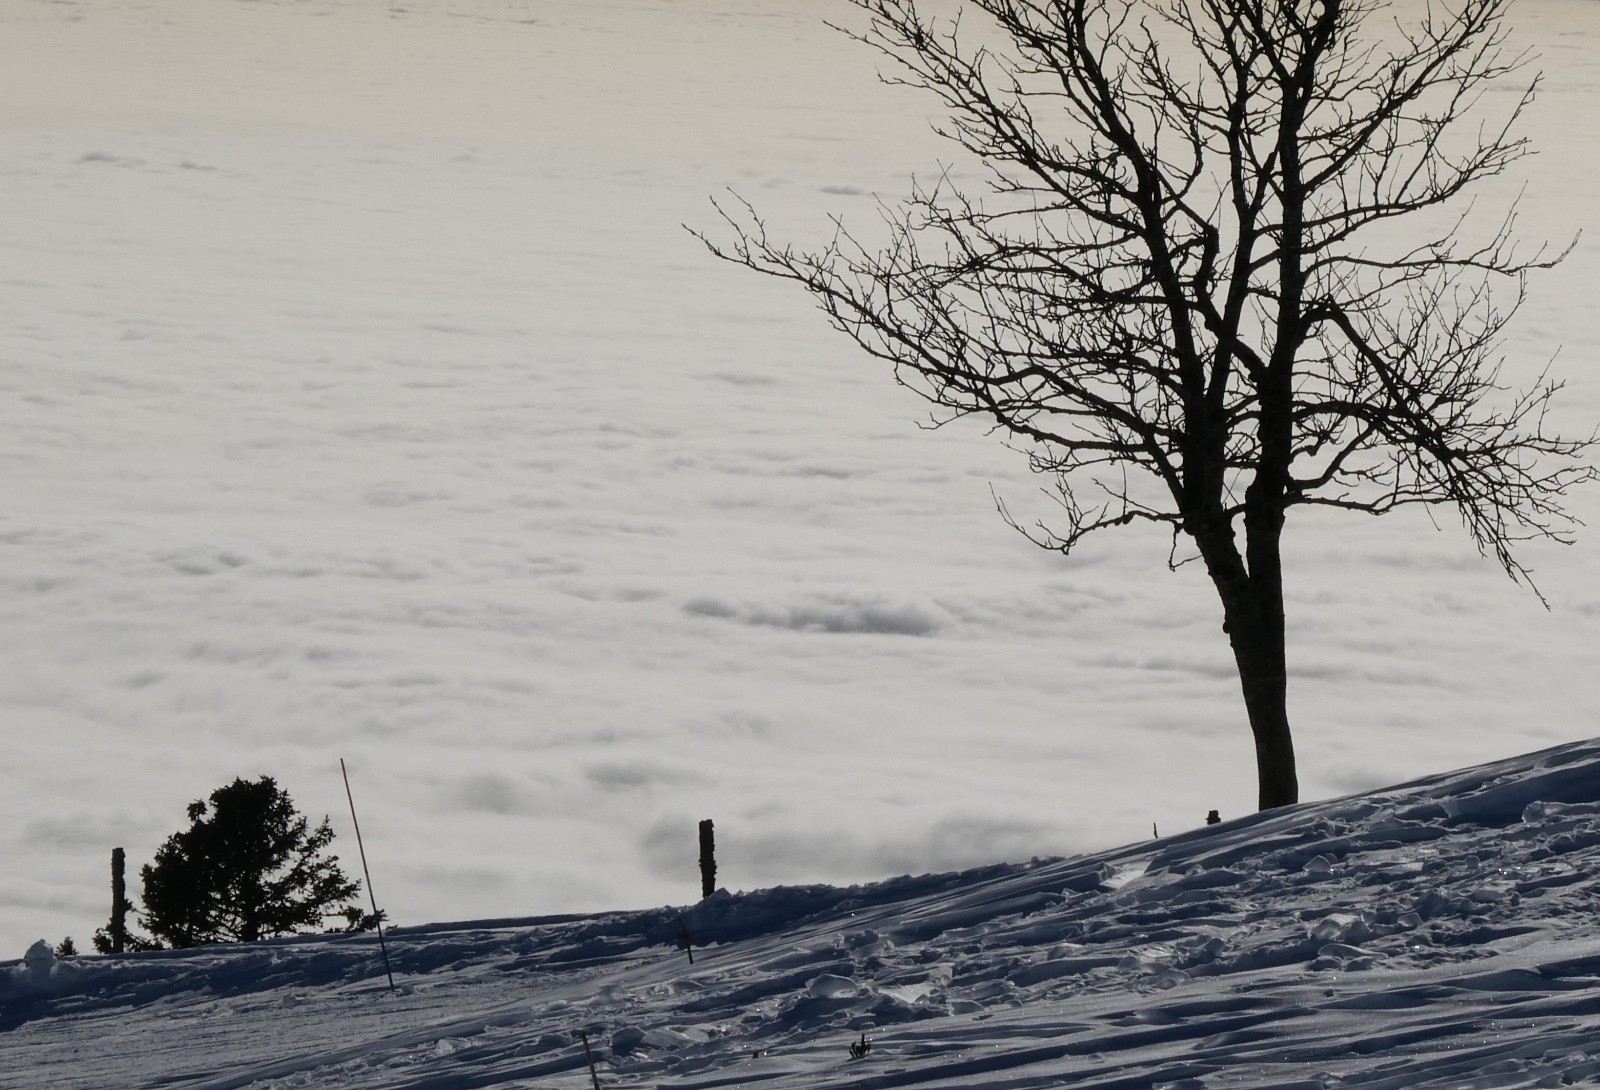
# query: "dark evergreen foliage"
(248, 867)
(132, 942)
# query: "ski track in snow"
(1437, 934)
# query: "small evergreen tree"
(131, 943)
(248, 867)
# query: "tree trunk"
(1258, 650)
(1252, 604)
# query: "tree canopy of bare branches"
(1227, 264)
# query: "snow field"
(1436, 934)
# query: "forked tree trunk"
(1252, 604)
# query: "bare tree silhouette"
(1225, 267)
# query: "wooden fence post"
(708, 860)
(119, 901)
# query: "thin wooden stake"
(686, 937)
(593, 1075)
(371, 896)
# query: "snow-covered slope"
(1435, 934)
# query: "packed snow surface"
(1437, 934)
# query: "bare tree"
(1224, 269)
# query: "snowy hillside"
(1435, 934)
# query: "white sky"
(363, 396)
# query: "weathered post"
(708, 860)
(119, 901)
(1213, 818)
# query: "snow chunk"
(37, 966)
(1541, 810)
(658, 1038)
(828, 986)
(1341, 927)
(39, 959)
(1114, 877)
